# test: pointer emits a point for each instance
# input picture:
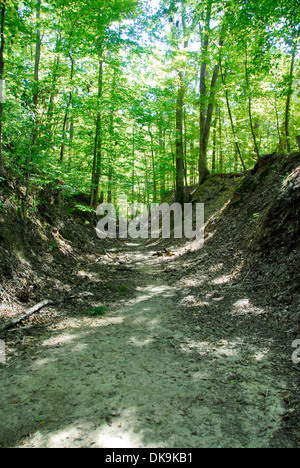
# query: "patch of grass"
(97, 311)
(122, 289)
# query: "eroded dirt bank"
(182, 361)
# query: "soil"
(193, 347)
(185, 362)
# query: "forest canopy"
(144, 97)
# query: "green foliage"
(121, 289)
(124, 125)
(97, 311)
(83, 208)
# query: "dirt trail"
(143, 376)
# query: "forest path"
(144, 376)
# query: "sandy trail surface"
(143, 376)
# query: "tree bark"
(112, 155)
(288, 100)
(250, 105)
(69, 105)
(98, 144)
(220, 142)
(179, 141)
(237, 146)
(33, 150)
(207, 100)
(180, 186)
(2, 63)
(133, 166)
(280, 145)
(214, 155)
(55, 76)
(37, 58)
(153, 166)
(202, 163)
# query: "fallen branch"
(31, 311)
(25, 315)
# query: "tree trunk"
(55, 75)
(112, 156)
(153, 166)
(2, 84)
(180, 187)
(250, 105)
(34, 146)
(133, 166)
(280, 146)
(202, 164)
(37, 58)
(162, 152)
(288, 101)
(236, 142)
(110, 184)
(185, 149)
(179, 141)
(220, 143)
(214, 155)
(69, 105)
(207, 100)
(98, 145)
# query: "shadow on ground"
(171, 367)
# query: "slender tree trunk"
(55, 76)
(2, 84)
(250, 105)
(162, 170)
(202, 163)
(71, 139)
(220, 142)
(214, 155)
(153, 166)
(146, 196)
(109, 185)
(98, 144)
(69, 105)
(35, 97)
(34, 147)
(179, 141)
(207, 100)
(180, 171)
(112, 142)
(288, 101)
(185, 149)
(236, 142)
(194, 163)
(37, 58)
(280, 146)
(173, 162)
(256, 149)
(133, 166)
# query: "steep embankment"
(39, 246)
(262, 222)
